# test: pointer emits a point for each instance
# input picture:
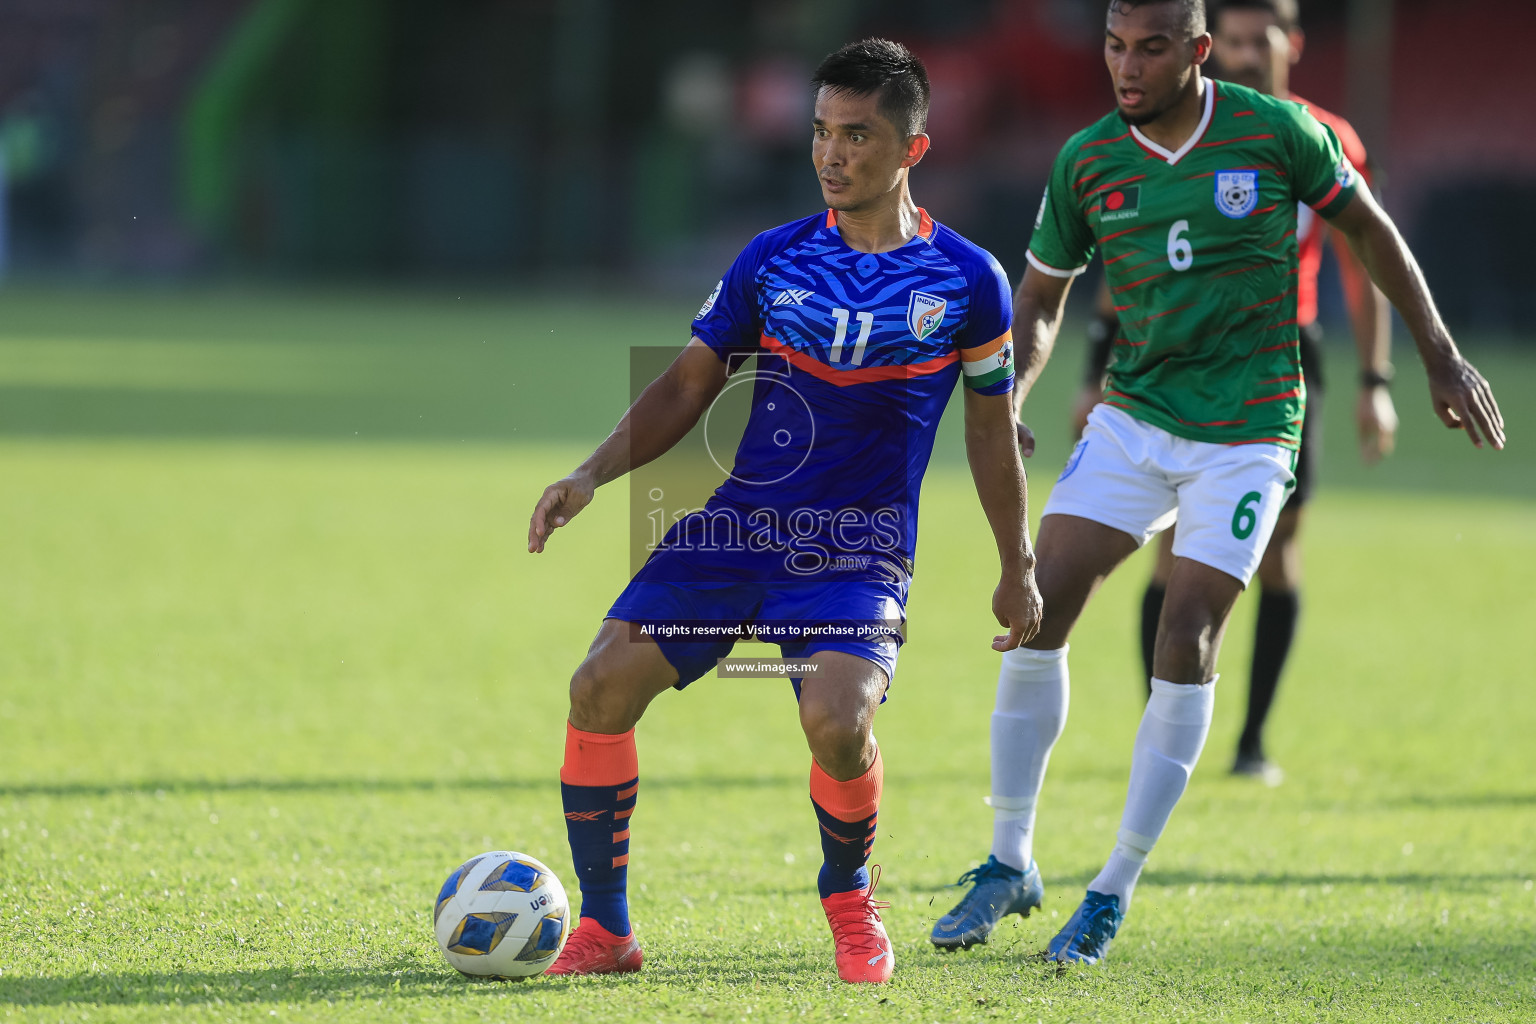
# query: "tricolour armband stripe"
(984, 359)
(991, 348)
(988, 379)
(987, 364)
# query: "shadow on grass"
(707, 972)
(355, 784)
(1414, 880)
(1479, 967)
(1461, 801)
(273, 985)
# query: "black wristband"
(1376, 378)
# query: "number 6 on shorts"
(1246, 516)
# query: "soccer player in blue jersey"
(861, 319)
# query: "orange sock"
(846, 812)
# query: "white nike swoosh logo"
(879, 956)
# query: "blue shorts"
(718, 589)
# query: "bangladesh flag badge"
(1122, 203)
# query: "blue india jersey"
(852, 358)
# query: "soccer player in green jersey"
(1254, 43)
(1189, 189)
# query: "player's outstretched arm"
(1461, 397)
(663, 414)
(1037, 307)
(1370, 316)
(991, 446)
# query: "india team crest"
(1237, 192)
(925, 313)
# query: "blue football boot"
(997, 890)
(1086, 936)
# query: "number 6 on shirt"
(1181, 255)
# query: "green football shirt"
(1199, 247)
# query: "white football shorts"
(1140, 479)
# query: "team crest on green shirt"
(1237, 192)
(924, 314)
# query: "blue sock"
(846, 813)
(597, 824)
(598, 786)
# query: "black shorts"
(1312, 424)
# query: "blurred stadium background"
(503, 141)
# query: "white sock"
(1030, 713)
(1168, 744)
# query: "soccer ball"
(501, 915)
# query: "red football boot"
(863, 949)
(593, 949)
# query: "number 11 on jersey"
(866, 321)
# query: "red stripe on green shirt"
(1117, 234)
(1228, 142)
(1268, 302)
(1105, 142)
(1293, 393)
(1114, 184)
(1133, 284)
(1166, 312)
(1330, 197)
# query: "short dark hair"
(879, 66)
(1191, 12)
(1286, 12)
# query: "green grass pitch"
(273, 661)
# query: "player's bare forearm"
(1370, 317)
(1370, 314)
(1037, 306)
(1375, 242)
(662, 416)
(991, 450)
(993, 453)
(1459, 394)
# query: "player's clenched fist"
(557, 506)
(1017, 605)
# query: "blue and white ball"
(501, 915)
